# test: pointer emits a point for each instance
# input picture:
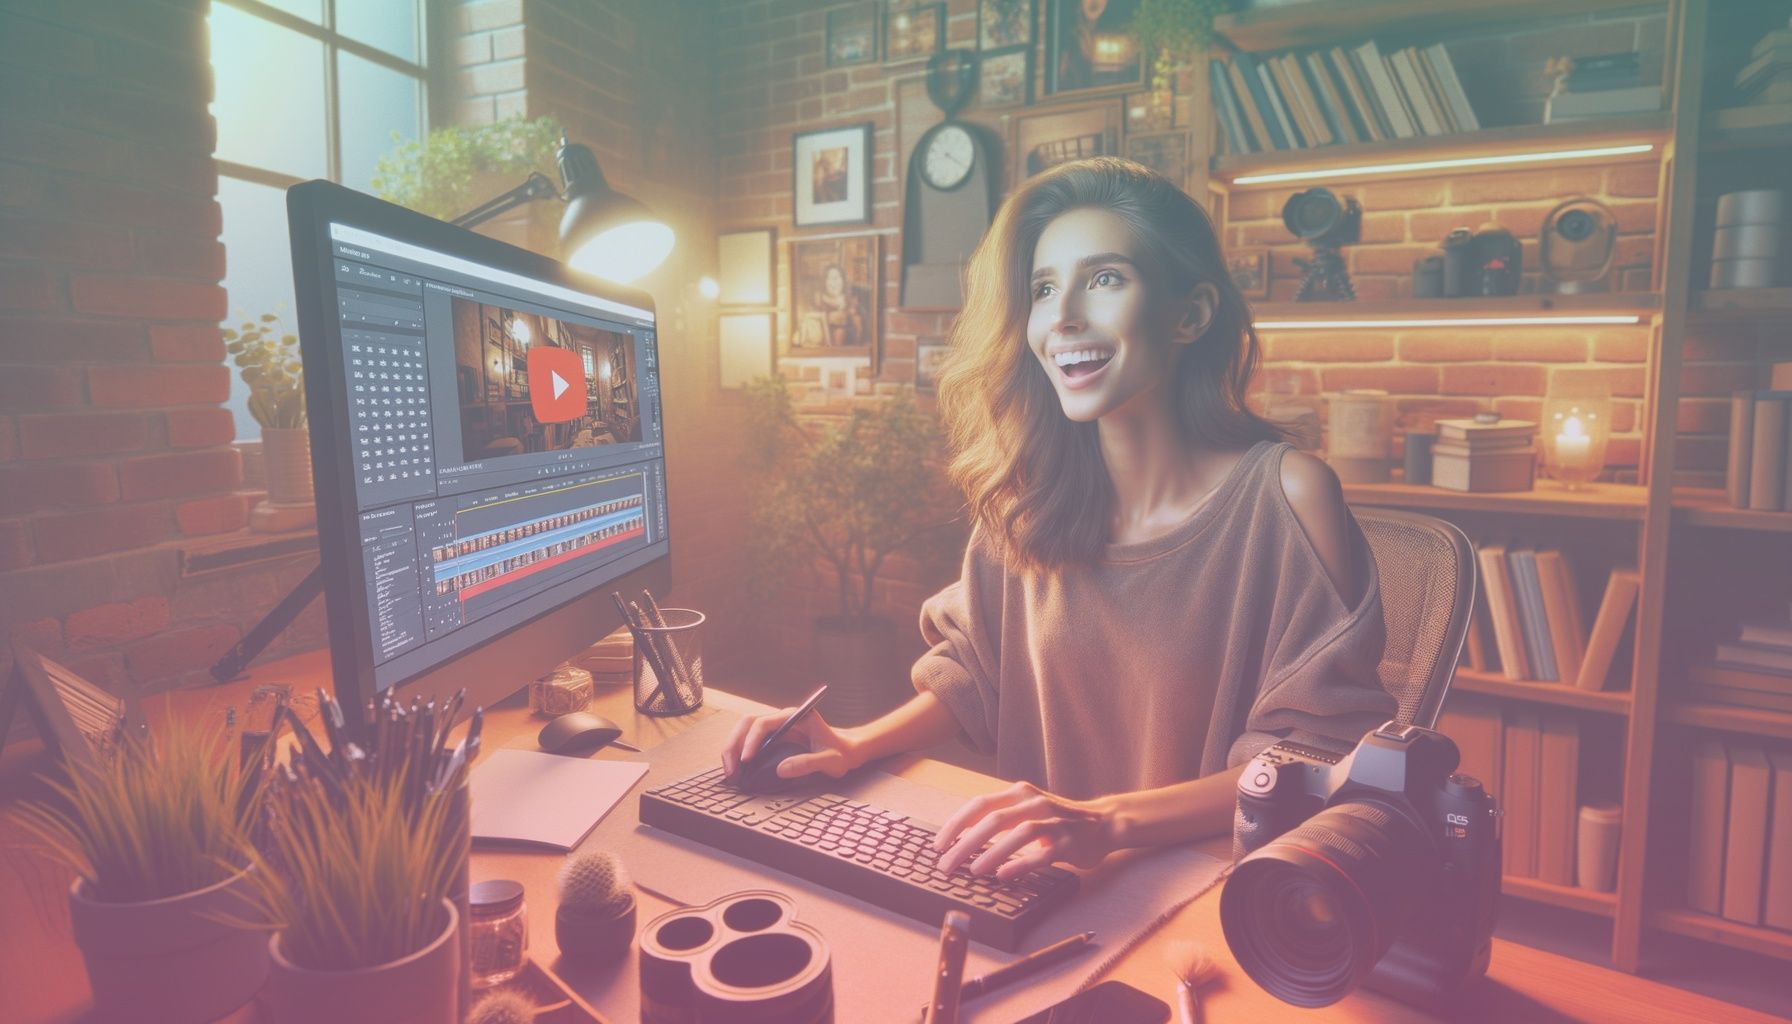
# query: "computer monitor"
(487, 444)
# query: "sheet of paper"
(882, 962)
(526, 796)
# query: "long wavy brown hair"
(1035, 479)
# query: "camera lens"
(1575, 225)
(1311, 213)
(1309, 914)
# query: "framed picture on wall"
(1167, 153)
(1089, 45)
(852, 35)
(830, 173)
(1045, 137)
(913, 31)
(834, 289)
(745, 267)
(930, 355)
(1249, 269)
(746, 343)
(1004, 23)
(1006, 78)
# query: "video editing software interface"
(506, 438)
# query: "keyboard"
(857, 849)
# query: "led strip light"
(1551, 156)
(1563, 320)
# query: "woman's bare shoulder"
(1317, 498)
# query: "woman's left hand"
(1036, 829)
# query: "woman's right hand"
(831, 751)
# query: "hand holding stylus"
(830, 751)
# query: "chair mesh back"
(1427, 581)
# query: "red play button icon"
(556, 384)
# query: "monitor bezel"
(311, 208)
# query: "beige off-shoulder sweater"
(1170, 658)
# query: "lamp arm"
(536, 186)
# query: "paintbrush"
(1190, 962)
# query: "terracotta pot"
(170, 960)
(422, 988)
(286, 454)
(854, 658)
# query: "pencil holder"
(669, 664)
(741, 959)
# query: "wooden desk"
(41, 977)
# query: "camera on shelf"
(1318, 218)
(1379, 866)
(1485, 262)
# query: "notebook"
(525, 796)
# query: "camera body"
(1416, 842)
(1485, 262)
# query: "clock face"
(950, 155)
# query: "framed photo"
(746, 343)
(830, 173)
(1089, 45)
(834, 291)
(1004, 23)
(930, 355)
(1058, 134)
(746, 268)
(1006, 78)
(852, 35)
(1249, 270)
(1167, 153)
(913, 31)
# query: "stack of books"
(1759, 471)
(1338, 95)
(1765, 85)
(1752, 671)
(1739, 864)
(1471, 456)
(1602, 86)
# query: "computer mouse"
(761, 774)
(580, 732)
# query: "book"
(1471, 431)
(1475, 640)
(1278, 106)
(1356, 93)
(1538, 651)
(1406, 76)
(1780, 376)
(1767, 451)
(1768, 634)
(1226, 109)
(1507, 635)
(1294, 99)
(1480, 630)
(1255, 98)
(1519, 838)
(1461, 110)
(1558, 806)
(1482, 445)
(1434, 89)
(1739, 119)
(1741, 698)
(1331, 99)
(1514, 471)
(1738, 679)
(1776, 37)
(1764, 68)
(1745, 845)
(1776, 909)
(1621, 589)
(1387, 97)
(1707, 826)
(1580, 106)
(1561, 609)
(1475, 726)
(1742, 432)
(526, 796)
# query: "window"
(301, 89)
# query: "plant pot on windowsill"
(422, 988)
(175, 960)
(286, 459)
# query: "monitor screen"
(487, 439)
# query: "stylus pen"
(1027, 966)
(778, 733)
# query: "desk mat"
(882, 963)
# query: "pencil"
(648, 651)
(1028, 965)
(678, 666)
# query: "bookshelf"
(1691, 145)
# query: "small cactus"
(593, 883)
(503, 1007)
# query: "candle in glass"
(1573, 445)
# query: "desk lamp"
(603, 232)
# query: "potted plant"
(1173, 33)
(267, 357)
(355, 874)
(158, 834)
(850, 493)
(455, 168)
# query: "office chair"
(1427, 569)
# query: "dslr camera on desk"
(1380, 866)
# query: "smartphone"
(1111, 1002)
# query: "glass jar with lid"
(499, 928)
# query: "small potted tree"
(158, 834)
(267, 357)
(849, 493)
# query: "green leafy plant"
(439, 174)
(1175, 32)
(268, 359)
(852, 492)
(153, 817)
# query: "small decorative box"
(561, 692)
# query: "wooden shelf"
(1566, 695)
(1754, 938)
(1573, 897)
(1612, 131)
(1716, 139)
(1331, 21)
(1705, 506)
(1731, 718)
(1548, 498)
(1740, 304)
(1642, 304)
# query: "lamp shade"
(604, 232)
